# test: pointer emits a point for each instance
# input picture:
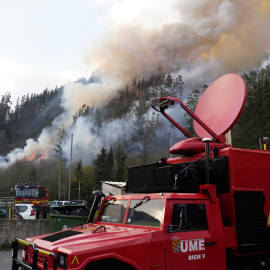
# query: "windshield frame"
(143, 212)
(110, 205)
(130, 198)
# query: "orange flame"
(42, 157)
(31, 158)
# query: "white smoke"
(230, 33)
(200, 40)
(86, 144)
(77, 94)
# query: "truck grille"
(60, 235)
(250, 221)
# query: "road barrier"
(22, 228)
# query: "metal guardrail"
(6, 199)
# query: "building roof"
(115, 184)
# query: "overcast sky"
(48, 43)
(42, 42)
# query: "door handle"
(210, 243)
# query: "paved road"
(6, 260)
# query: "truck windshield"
(148, 213)
(28, 192)
(113, 211)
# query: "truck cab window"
(188, 217)
(113, 211)
(145, 213)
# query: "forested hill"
(139, 134)
(27, 118)
(34, 112)
(255, 120)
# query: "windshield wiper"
(141, 202)
(111, 199)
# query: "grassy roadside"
(5, 247)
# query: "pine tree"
(137, 129)
(100, 166)
(110, 165)
(120, 160)
(5, 107)
(78, 170)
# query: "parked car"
(79, 202)
(52, 204)
(26, 210)
(65, 202)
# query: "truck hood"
(108, 240)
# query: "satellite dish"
(221, 105)
(217, 111)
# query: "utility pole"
(70, 168)
(59, 185)
(80, 184)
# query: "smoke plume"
(210, 38)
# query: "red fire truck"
(206, 209)
(34, 194)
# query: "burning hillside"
(37, 157)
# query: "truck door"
(190, 240)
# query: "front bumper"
(16, 263)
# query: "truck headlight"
(62, 260)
